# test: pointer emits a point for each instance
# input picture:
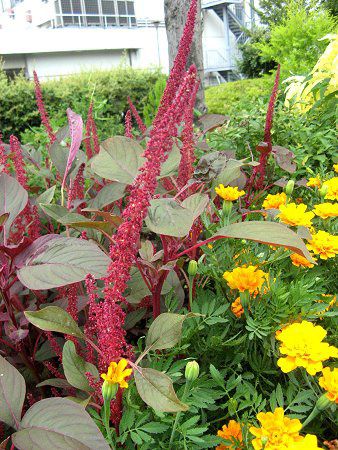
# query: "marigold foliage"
(329, 382)
(277, 431)
(229, 193)
(302, 344)
(295, 215)
(246, 279)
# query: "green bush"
(228, 98)
(110, 89)
(251, 64)
(295, 42)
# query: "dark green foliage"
(251, 64)
(19, 113)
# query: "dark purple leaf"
(211, 121)
(284, 158)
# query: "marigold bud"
(289, 187)
(192, 370)
(323, 191)
(192, 268)
(109, 390)
(323, 402)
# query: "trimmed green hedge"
(18, 111)
(229, 98)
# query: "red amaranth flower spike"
(270, 111)
(42, 110)
(76, 191)
(179, 65)
(18, 161)
(186, 168)
(3, 157)
(137, 117)
(128, 125)
(87, 141)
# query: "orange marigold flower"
(332, 188)
(314, 182)
(231, 432)
(295, 215)
(237, 308)
(323, 244)
(277, 432)
(325, 210)
(245, 279)
(274, 201)
(302, 344)
(117, 373)
(300, 261)
(229, 193)
(329, 382)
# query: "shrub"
(295, 42)
(228, 98)
(109, 89)
(250, 64)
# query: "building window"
(104, 13)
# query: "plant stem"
(106, 419)
(178, 415)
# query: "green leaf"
(46, 197)
(196, 203)
(75, 367)
(13, 199)
(271, 233)
(165, 331)
(107, 195)
(12, 394)
(53, 318)
(134, 317)
(231, 172)
(119, 159)
(156, 390)
(61, 214)
(217, 376)
(58, 423)
(55, 382)
(165, 216)
(62, 261)
(170, 166)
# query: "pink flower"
(128, 125)
(42, 110)
(137, 117)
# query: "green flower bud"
(109, 390)
(264, 440)
(323, 402)
(289, 187)
(192, 370)
(192, 268)
(232, 406)
(323, 191)
(227, 207)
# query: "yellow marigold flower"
(117, 373)
(314, 182)
(277, 432)
(329, 382)
(231, 432)
(300, 261)
(245, 279)
(210, 246)
(331, 303)
(237, 308)
(274, 201)
(323, 244)
(325, 210)
(302, 344)
(335, 167)
(229, 193)
(309, 442)
(293, 214)
(332, 188)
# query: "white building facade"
(62, 37)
